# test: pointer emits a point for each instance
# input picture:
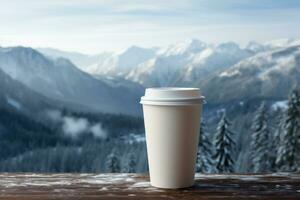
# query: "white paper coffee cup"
(172, 122)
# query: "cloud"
(74, 126)
(98, 131)
(93, 26)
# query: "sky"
(94, 26)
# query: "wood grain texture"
(136, 186)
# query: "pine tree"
(204, 155)
(113, 163)
(261, 142)
(289, 152)
(224, 147)
(131, 165)
(276, 142)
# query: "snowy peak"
(280, 43)
(266, 62)
(186, 63)
(135, 50)
(120, 64)
(21, 62)
(269, 74)
(256, 47)
(210, 60)
(271, 45)
(132, 57)
(25, 54)
(188, 46)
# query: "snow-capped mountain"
(183, 48)
(268, 75)
(281, 43)
(60, 79)
(256, 47)
(187, 63)
(180, 64)
(120, 64)
(210, 60)
(163, 69)
(106, 63)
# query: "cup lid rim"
(168, 101)
(172, 94)
(144, 98)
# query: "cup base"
(177, 186)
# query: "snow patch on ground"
(31, 182)
(141, 184)
(41, 183)
(109, 179)
(103, 189)
(233, 176)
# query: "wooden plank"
(136, 186)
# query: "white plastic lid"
(172, 96)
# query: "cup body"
(172, 133)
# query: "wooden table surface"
(136, 186)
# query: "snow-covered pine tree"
(113, 163)
(224, 147)
(289, 149)
(131, 165)
(204, 162)
(260, 142)
(276, 141)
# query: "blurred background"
(72, 74)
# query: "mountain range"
(267, 75)
(266, 70)
(60, 79)
(178, 64)
(108, 81)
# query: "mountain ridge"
(194, 63)
(60, 79)
(270, 74)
